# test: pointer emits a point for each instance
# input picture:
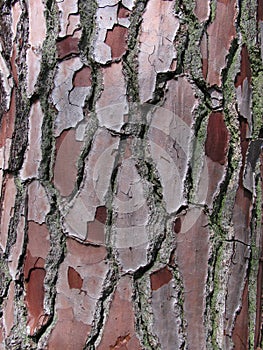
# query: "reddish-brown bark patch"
(160, 278)
(240, 335)
(123, 12)
(82, 77)
(204, 67)
(243, 127)
(65, 170)
(34, 298)
(7, 122)
(177, 225)
(245, 69)
(32, 262)
(225, 2)
(260, 10)
(191, 255)
(101, 214)
(220, 35)
(117, 40)
(67, 46)
(74, 279)
(216, 144)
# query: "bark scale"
(131, 174)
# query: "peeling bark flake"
(220, 35)
(159, 278)
(34, 299)
(117, 40)
(74, 279)
(217, 138)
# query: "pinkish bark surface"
(33, 154)
(67, 154)
(119, 332)
(202, 10)
(240, 332)
(220, 35)
(68, 333)
(8, 312)
(38, 202)
(192, 258)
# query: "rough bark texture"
(131, 174)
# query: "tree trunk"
(131, 174)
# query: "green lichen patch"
(20, 135)
(257, 103)
(248, 22)
(220, 259)
(256, 251)
(44, 87)
(54, 259)
(213, 6)
(87, 10)
(187, 41)
(144, 313)
(130, 62)
(19, 210)
(5, 277)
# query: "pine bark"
(131, 174)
